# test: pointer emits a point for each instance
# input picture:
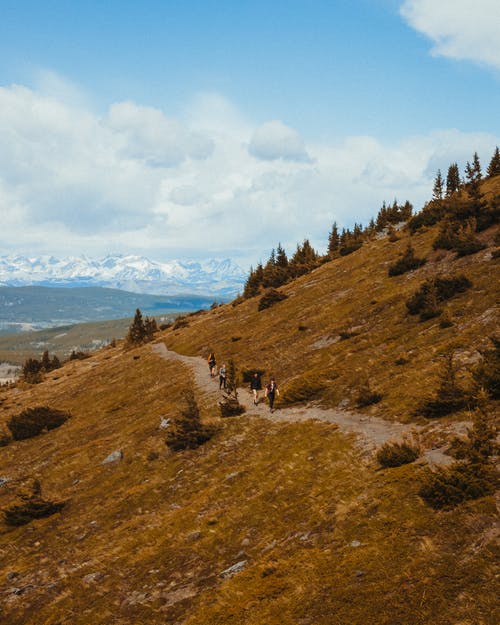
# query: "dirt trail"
(371, 432)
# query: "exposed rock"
(193, 536)
(233, 570)
(355, 543)
(92, 578)
(3, 481)
(114, 456)
(164, 423)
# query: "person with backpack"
(211, 364)
(222, 377)
(271, 392)
(255, 387)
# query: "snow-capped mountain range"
(137, 274)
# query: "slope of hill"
(270, 521)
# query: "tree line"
(457, 201)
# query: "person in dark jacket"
(211, 364)
(255, 387)
(271, 392)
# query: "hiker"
(255, 387)
(222, 377)
(271, 392)
(211, 364)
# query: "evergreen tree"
(45, 364)
(473, 176)
(452, 180)
(494, 166)
(437, 192)
(137, 331)
(333, 240)
(281, 257)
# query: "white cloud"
(460, 29)
(148, 135)
(274, 140)
(135, 180)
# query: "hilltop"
(282, 518)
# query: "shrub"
(438, 289)
(450, 486)
(476, 476)
(187, 431)
(397, 454)
(454, 236)
(449, 395)
(34, 421)
(229, 405)
(367, 397)
(77, 355)
(33, 507)
(271, 297)
(407, 262)
(180, 322)
(487, 373)
(349, 248)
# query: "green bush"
(34, 421)
(397, 454)
(449, 396)
(486, 375)
(26, 512)
(440, 289)
(407, 262)
(447, 487)
(271, 297)
(187, 431)
(367, 397)
(33, 506)
(349, 248)
(230, 407)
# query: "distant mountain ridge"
(138, 274)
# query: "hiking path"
(371, 432)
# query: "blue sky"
(199, 128)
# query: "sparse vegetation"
(187, 430)
(449, 396)
(366, 396)
(407, 262)
(474, 475)
(395, 454)
(271, 297)
(33, 421)
(33, 507)
(229, 405)
(433, 291)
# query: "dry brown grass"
(327, 538)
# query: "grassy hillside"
(319, 533)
